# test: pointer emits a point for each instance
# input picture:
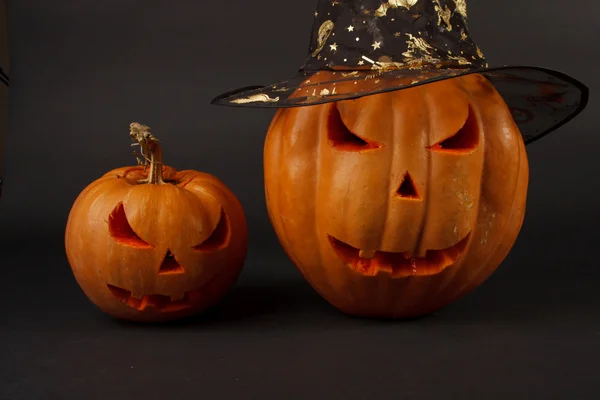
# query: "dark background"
(81, 71)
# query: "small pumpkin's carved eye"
(219, 238)
(341, 138)
(465, 140)
(120, 229)
(407, 188)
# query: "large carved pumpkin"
(149, 243)
(396, 204)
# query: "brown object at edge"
(150, 243)
(397, 204)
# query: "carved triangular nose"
(407, 188)
(170, 265)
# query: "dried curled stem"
(150, 150)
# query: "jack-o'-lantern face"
(156, 252)
(412, 226)
(397, 203)
(167, 280)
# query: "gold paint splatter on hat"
(460, 60)
(382, 10)
(479, 53)
(262, 98)
(443, 14)
(385, 63)
(403, 3)
(461, 7)
(415, 43)
(324, 32)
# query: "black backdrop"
(81, 71)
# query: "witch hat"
(397, 44)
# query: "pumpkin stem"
(150, 151)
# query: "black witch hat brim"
(540, 99)
(365, 47)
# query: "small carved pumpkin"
(149, 243)
(396, 204)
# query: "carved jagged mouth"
(160, 302)
(398, 264)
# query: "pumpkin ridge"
(427, 186)
(394, 149)
(317, 192)
(493, 254)
(274, 148)
(513, 191)
(475, 279)
(452, 273)
(477, 115)
(280, 134)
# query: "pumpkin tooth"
(383, 266)
(367, 253)
(138, 304)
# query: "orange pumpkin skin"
(397, 204)
(156, 252)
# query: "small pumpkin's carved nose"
(170, 265)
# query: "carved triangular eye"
(466, 139)
(341, 138)
(219, 238)
(120, 230)
(407, 188)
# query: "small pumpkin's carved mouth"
(399, 264)
(158, 301)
